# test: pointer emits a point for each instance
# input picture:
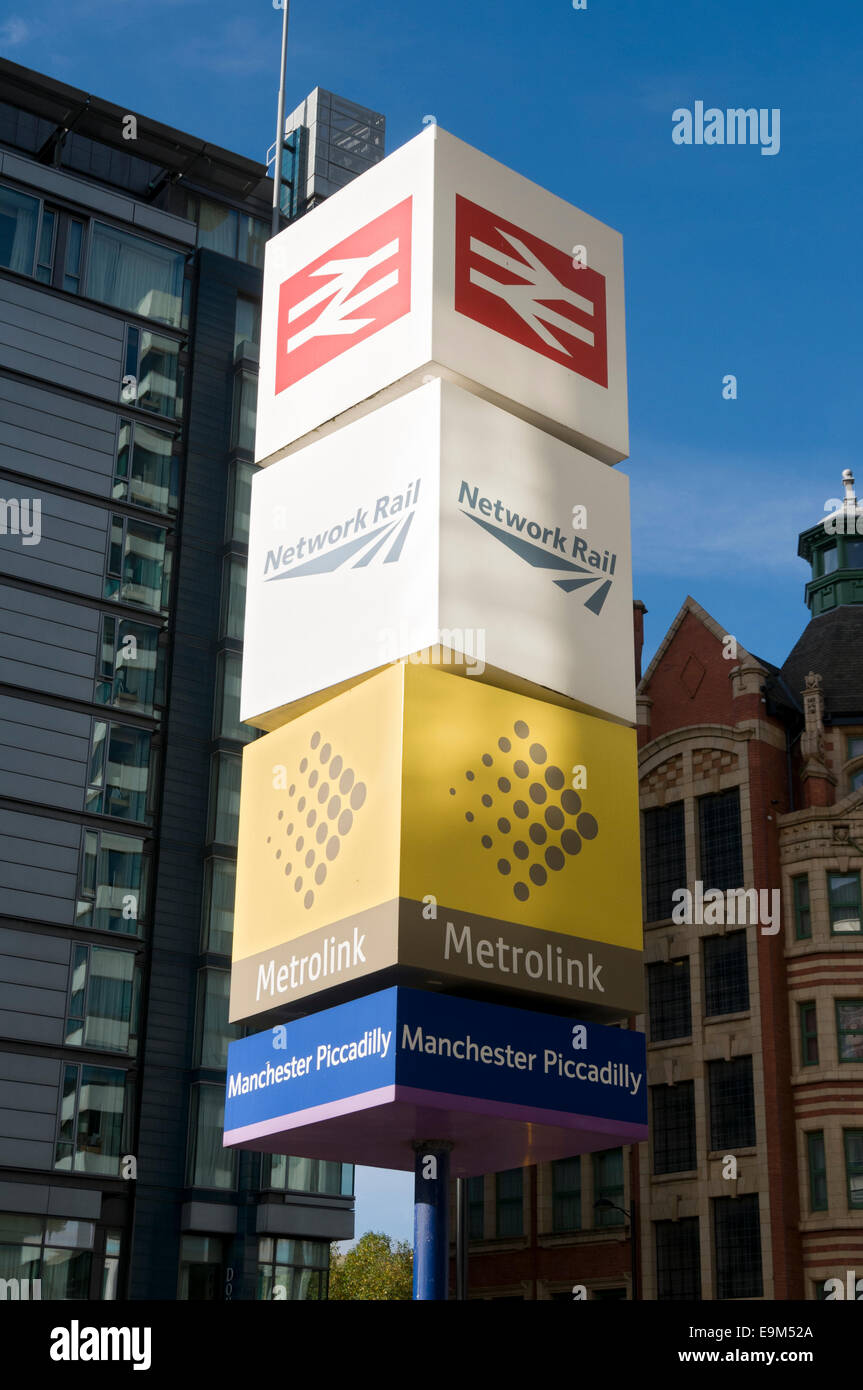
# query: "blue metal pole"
(431, 1232)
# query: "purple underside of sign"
(378, 1128)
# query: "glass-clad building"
(130, 287)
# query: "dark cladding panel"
(61, 544)
(38, 869)
(44, 753)
(29, 1097)
(34, 986)
(60, 341)
(48, 644)
(56, 438)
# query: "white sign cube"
(439, 520)
(441, 261)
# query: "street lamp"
(603, 1204)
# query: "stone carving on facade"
(812, 738)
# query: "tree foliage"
(377, 1268)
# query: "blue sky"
(736, 262)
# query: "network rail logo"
(342, 297)
(376, 532)
(530, 291)
(549, 547)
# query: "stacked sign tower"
(438, 910)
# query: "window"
(247, 326)
(226, 769)
(857, 780)
(52, 1250)
(229, 668)
(112, 890)
(732, 1104)
(119, 771)
(853, 554)
(843, 892)
(139, 276)
(209, 1164)
(664, 858)
(146, 472)
(154, 379)
(321, 1176)
(808, 1034)
(855, 747)
(220, 882)
(227, 231)
(139, 565)
(217, 227)
(74, 255)
(111, 1265)
(608, 1184)
(294, 1270)
(678, 1259)
(202, 1266)
(253, 238)
(475, 1208)
(726, 975)
(802, 911)
(720, 840)
(214, 1032)
(19, 221)
(104, 996)
(566, 1194)
(674, 1128)
(829, 558)
(854, 1167)
(669, 999)
(240, 500)
(130, 666)
(509, 1189)
(244, 411)
(817, 1170)
(849, 1028)
(45, 257)
(94, 1111)
(233, 597)
(737, 1238)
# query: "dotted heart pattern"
(322, 805)
(527, 815)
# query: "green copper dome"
(834, 549)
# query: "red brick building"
(751, 788)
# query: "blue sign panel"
(373, 1076)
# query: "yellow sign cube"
(428, 828)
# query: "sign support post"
(280, 120)
(431, 1223)
(461, 1237)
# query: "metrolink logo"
(547, 549)
(350, 542)
(523, 287)
(344, 296)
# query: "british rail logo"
(341, 298)
(523, 287)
